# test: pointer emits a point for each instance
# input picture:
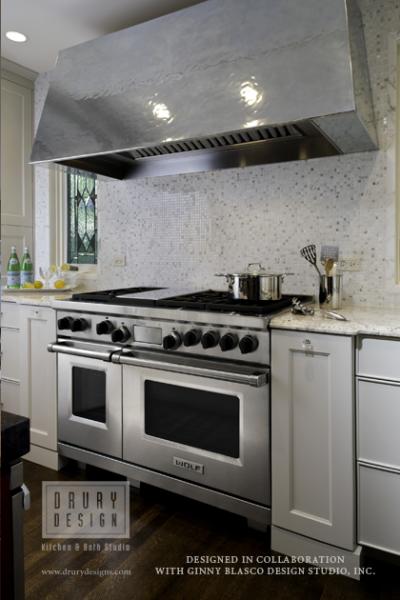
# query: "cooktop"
(207, 300)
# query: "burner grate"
(207, 300)
(220, 301)
(116, 296)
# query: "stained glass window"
(82, 217)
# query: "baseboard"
(346, 562)
(43, 456)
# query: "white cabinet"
(10, 350)
(378, 443)
(16, 143)
(379, 508)
(312, 433)
(378, 418)
(38, 369)
(379, 358)
(29, 385)
(16, 173)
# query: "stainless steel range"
(169, 389)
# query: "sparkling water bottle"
(26, 268)
(13, 270)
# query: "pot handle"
(256, 264)
(227, 276)
(283, 275)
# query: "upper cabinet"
(16, 143)
(16, 173)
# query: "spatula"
(310, 254)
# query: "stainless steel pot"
(255, 284)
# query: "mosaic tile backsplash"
(181, 230)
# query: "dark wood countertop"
(15, 437)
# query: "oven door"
(202, 422)
(89, 398)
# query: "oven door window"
(89, 394)
(194, 417)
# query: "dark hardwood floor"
(165, 529)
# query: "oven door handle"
(76, 350)
(254, 379)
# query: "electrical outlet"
(119, 261)
(350, 264)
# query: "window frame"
(59, 220)
(397, 164)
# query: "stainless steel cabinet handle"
(26, 497)
(255, 380)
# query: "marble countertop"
(361, 320)
(35, 298)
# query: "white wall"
(183, 229)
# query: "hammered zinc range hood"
(224, 83)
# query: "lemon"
(27, 285)
(59, 284)
(64, 267)
(37, 284)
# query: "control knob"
(229, 341)
(248, 343)
(79, 324)
(104, 327)
(122, 334)
(192, 337)
(172, 341)
(210, 339)
(65, 322)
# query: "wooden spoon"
(329, 262)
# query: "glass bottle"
(26, 268)
(13, 270)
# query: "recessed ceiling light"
(16, 36)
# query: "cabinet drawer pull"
(307, 345)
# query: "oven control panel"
(236, 343)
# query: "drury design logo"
(85, 509)
(188, 465)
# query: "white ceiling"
(52, 25)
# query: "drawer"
(10, 396)
(379, 358)
(378, 421)
(10, 353)
(379, 509)
(9, 314)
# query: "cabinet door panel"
(312, 416)
(10, 396)
(10, 368)
(38, 374)
(379, 513)
(16, 140)
(378, 408)
(9, 313)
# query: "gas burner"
(206, 300)
(127, 296)
(220, 301)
